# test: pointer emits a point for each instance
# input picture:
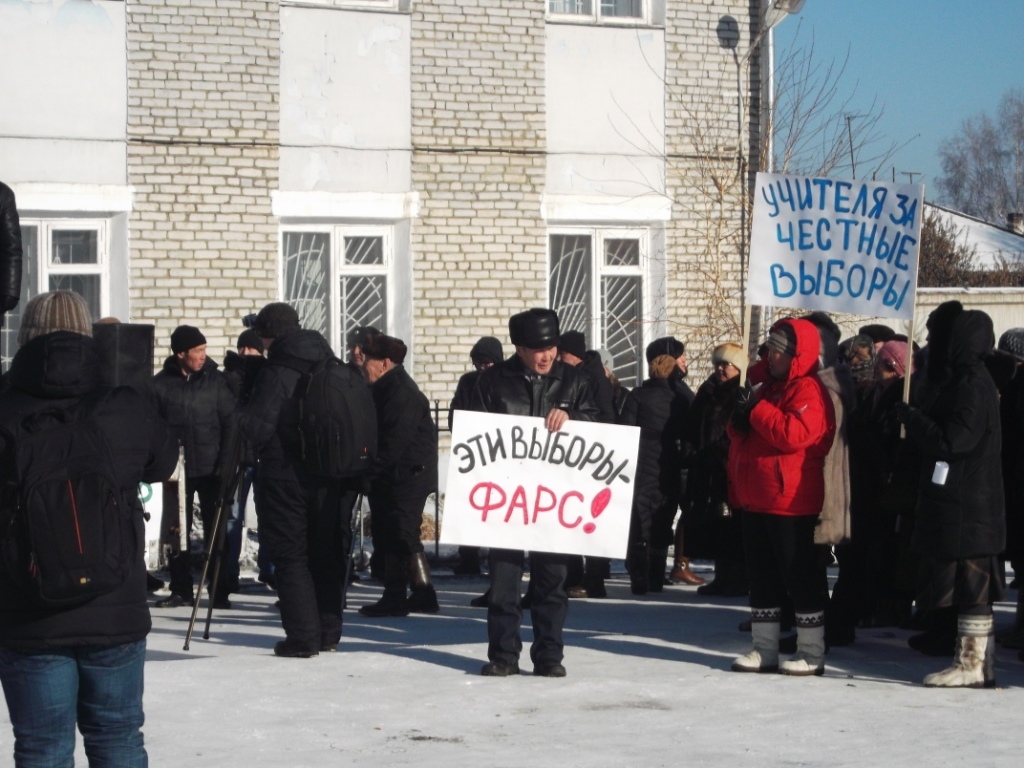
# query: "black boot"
(638, 564)
(656, 570)
(469, 562)
(396, 579)
(423, 598)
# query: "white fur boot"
(764, 631)
(973, 660)
(810, 647)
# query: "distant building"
(425, 166)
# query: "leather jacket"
(510, 387)
(10, 250)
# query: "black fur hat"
(534, 329)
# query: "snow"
(648, 685)
(990, 241)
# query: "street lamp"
(773, 13)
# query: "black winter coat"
(200, 409)
(511, 388)
(406, 435)
(58, 369)
(604, 391)
(10, 249)
(1011, 411)
(959, 424)
(658, 409)
(270, 420)
(706, 445)
(463, 399)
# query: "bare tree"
(983, 165)
(946, 261)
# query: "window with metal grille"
(596, 284)
(60, 255)
(337, 278)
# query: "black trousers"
(307, 529)
(782, 560)
(206, 488)
(549, 606)
(396, 518)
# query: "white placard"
(514, 485)
(836, 246)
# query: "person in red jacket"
(776, 476)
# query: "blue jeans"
(100, 687)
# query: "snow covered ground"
(648, 685)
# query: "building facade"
(428, 167)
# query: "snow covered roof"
(991, 241)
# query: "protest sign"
(513, 484)
(836, 246)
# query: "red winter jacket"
(778, 465)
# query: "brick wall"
(203, 159)
(478, 165)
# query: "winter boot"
(469, 562)
(656, 570)
(810, 646)
(396, 579)
(681, 573)
(764, 631)
(423, 598)
(973, 660)
(638, 564)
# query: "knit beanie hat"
(782, 339)
(185, 337)
(249, 338)
(384, 347)
(894, 355)
(731, 353)
(275, 320)
(574, 343)
(487, 350)
(54, 311)
(1012, 341)
(662, 366)
(666, 345)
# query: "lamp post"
(774, 12)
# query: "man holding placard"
(533, 382)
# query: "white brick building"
(425, 166)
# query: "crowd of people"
(894, 462)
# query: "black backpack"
(72, 535)
(337, 421)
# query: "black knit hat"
(249, 338)
(534, 329)
(1012, 341)
(666, 345)
(186, 337)
(574, 343)
(276, 320)
(487, 350)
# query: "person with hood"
(193, 396)
(81, 664)
(1011, 412)
(404, 474)
(533, 382)
(304, 521)
(960, 525)
(658, 410)
(776, 475)
(705, 452)
(486, 352)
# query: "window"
(598, 10)
(60, 255)
(337, 278)
(602, 297)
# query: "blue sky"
(931, 64)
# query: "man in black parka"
(960, 518)
(533, 382)
(194, 398)
(305, 522)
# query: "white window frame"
(359, 5)
(595, 16)
(338, 232)
(36, 276)
(598, 235)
